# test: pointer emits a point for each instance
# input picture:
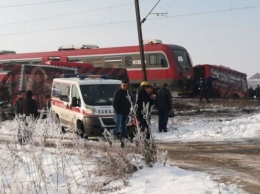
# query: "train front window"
(182, 59)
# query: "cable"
(182, 15)
(72, 27)
(216, 11)
(171, 5)
(67, 14)
(29, 4)
(143, 20)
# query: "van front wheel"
(81, 130)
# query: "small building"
(254, 81)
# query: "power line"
(66, 28)
(67, 14)
(122, 22)
(30, 4)
(216, 11)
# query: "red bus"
(38, 77)
(229, 83)
(165, 63)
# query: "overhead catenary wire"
(30, 4)
(143, 20)
(127, 21)
(66, 14)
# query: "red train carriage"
(164, 62)
(229, 83)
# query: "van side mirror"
(74, 102)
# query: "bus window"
(97, 62)
(75, 60)
(157, 60)
(54, 58)
(113, 61)
(182, 59)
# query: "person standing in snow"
(163, 103)
(204, 89)
(29, 106)
(18, 104)
(122, 106)
(257, 91)
(144, 97)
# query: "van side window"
(75, 96)
(55, 91)
(64, 92)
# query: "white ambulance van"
(84, 104)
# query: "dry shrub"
(105, 160)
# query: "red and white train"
(165, 63)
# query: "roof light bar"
(83, 76)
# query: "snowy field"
(36, 169)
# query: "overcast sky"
(222, 32)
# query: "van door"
(75, 105)
(64, 112)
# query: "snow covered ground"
(205, 126)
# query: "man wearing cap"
(122, 106)
(144, 96)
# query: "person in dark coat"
(204, 89)
(209, 82)
(122, 106)
(144, 96)
(18, 104)
(29, 106)
(257, 91)
(250, 92)
(163, 103)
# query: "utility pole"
(140, 37)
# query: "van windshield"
(98, 94)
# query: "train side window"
(157, 60)
(128, 61)
(134, 60)
(113, 61)
(152, 59)
(97, 61)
